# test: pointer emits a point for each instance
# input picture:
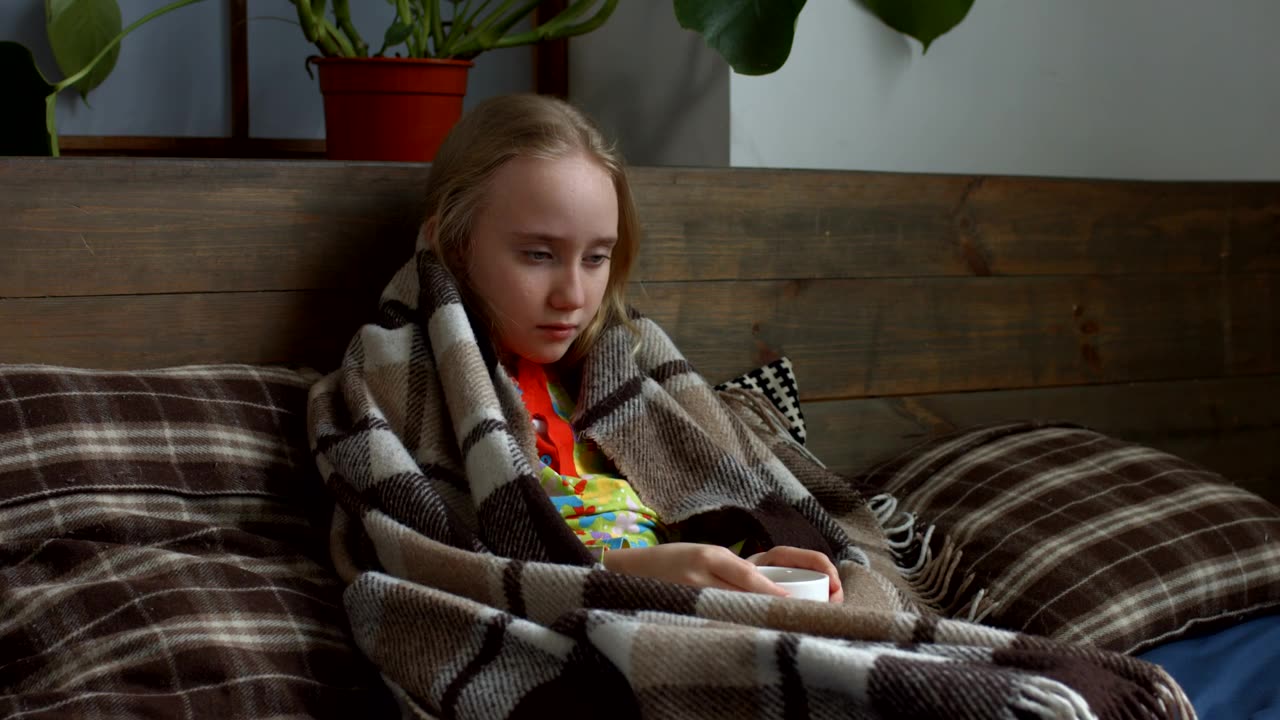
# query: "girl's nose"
(568, 292)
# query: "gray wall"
(654, 86)
(172, 77)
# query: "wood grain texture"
(301, 328)
(158, 226)
(847, 338)
(101, 226)
(756, 224)
(856, 338)
(1215, 423)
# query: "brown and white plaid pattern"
(157, 558)
(475, 600)
(1059, 531)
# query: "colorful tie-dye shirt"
(599, 505)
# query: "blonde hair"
(536, 126)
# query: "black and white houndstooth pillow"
(777, 381)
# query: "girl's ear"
(429, 234)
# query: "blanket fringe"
(1174, 703)
(1052, 700)
(934, 577)
(769, 419)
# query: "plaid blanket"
(475, 599)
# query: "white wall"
(1161, 89)
(654, 86)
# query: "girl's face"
(539, 254)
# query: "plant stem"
(331, 33)
(429, 11)
(457, 26)
(559, 27)
(342, 11)
(474, 38)
(306, 20)
(419, 44)
(405, 15)
(50, 123)
(317, 15)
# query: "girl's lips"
(559, 332)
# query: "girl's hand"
(793, 557)
(694, 564)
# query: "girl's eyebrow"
(609, 241)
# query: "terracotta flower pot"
(390, 108)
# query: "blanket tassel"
(934, 577)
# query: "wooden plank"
(847, 338)
(1253, 322)
(856, 338)
(140, 226)
(1255, 228)
(108, 225)
(756, 224)
(310, 328)
(1231, 426)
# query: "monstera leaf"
(755, 37)
(924, 20)
(23, 122)
(79, 30)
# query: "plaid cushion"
(1059, 531)
(157, 557)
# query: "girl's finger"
(787, 556)
(742, 575)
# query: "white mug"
(802, 584)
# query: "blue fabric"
(1232, 674)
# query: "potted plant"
(754, 37)
(399, 102)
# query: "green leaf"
(396, 34)
(79, 30)
(924, 20)
(54, 8)
(23, 88)
(754, 37)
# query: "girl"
(536, 493)
(529, 210)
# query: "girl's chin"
(543, 354)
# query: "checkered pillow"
(1059, 531)
(777, 382)
(157, 552)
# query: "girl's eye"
(537, 255)
(597, 259)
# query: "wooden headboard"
(910, 304)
